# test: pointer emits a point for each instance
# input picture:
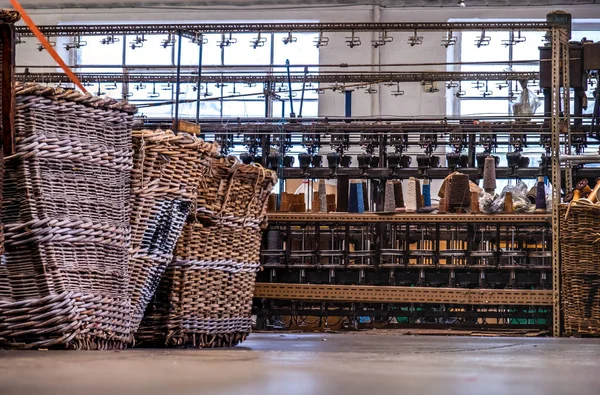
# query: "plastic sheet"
(527, 105)
(495, 204)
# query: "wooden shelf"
(387, 294)
(407, 218)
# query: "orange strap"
(47, 45)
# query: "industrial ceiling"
(39, 4)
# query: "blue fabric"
(356, 203)
(427, 194)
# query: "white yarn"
(411, 196)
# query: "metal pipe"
(281, 66)
(580, 158)
(368, 78)
(220, 28)
(302, 95)
(289, 81)
(348, 104)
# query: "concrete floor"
(332, 364)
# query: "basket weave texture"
(205, 296)
(63, 277)
(6, 17)
(167, 170)
(580, 268)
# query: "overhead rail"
(212, 28)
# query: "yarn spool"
(284, 203)
(377, 195)
(594, 194)
(540, 197)
(365, 195)
(568, 197)
(446, 188)
(443, 209)
(420, 200)
(475, 203)
(322, 196)
(331, 203)
(390, 200)
(508, 203)
(316, 206)
(532, 194)
(411, 196)
(583, 186)
(576, 195)
(398, 194)
(356, 202)
(426, 193)
(489, 175)
(273, 243)
(272, 203)
(460, 193)
(342, 194)
(297, 203)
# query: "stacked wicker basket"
(580, 268)
(167, 170)
(8, 17)
(66, 215)
(205, 296)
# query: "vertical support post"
(125, 84)
(7, 53)
(566, 124)
(348, 104)
(178, 83)
(556, 177)
(199, 83)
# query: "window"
(244, 53)
(501, 96)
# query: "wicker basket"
(66, 214)
(8, 17)
(205, 296)
(167, 169)
(580, 268)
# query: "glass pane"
(577, 35)
(247, 91)
(211, 53)
(301, 51)
(249, 49)
(92, 52)
(528, 50)
(493, 51)
(187, 107)
(243, 108)
(146, 91)
(156, 111)
(154, 50)
(483, 107)
(310, 108)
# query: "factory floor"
(345, 364)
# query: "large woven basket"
(205, 296)
(580, 268)
(66, 214)
(167, 170)
(7, 17)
